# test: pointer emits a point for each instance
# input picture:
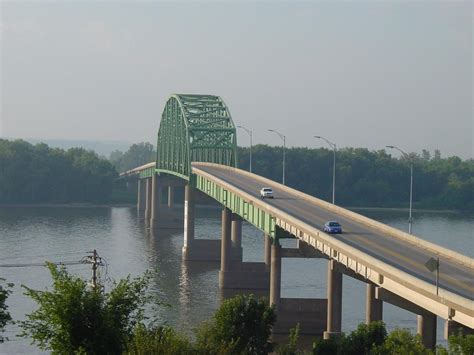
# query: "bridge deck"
(454, 277)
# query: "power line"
(42, 264)
(42, 256)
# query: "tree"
(425, 155)
(5, 316)
(158, 340)
(459, 345)
(361, 341)
(402, 342)
(138, 154)
(75, 318)
(242, 325)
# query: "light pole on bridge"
(250, 134)
(410, 218)
(333, 146)
(284, 147)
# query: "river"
(32, 235)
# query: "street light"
(410, 218)
(284, 146)
(333, 146)
(250, 134)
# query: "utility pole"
(96, 261)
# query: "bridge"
(197, 149)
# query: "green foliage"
(330, 346)
(291, 347)
(402, 342)
(37, 173)
(361, 341)
(242, 325)
(160, 340)
(369, 178)
(74, 318)
(136, 155)
(365, 337)
(5, 317)
(459, 345)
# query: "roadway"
(454, 277)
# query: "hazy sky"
(362, 74)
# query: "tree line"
(37, 173)
(369, 178)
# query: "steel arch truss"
(195, 128)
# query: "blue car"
(333, 227)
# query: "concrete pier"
(148, 199)
(197, 249)
(334, 315)
(170, 196)
(226, 246)
(426, 328)
(236, 237)
(188, 221)
(267, 250)
(373, 307)
(154, 202)
(141, 196)
(275, 274)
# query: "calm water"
(33, 235)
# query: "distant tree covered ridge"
(38, 174)
(138, 154)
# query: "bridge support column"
(170, 196)
(334, 314)
(188, 220)
(275, 274)
(427, 329)
(148, 199)
(154, 201)
(267, 250)
(140, 197)
(159, 194)
(236, 237)
(374, 306)
(226, 246)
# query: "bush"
(242, 325)
(161, 340)
(5, 317)
(74, 318)
(402, 342)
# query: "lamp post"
(410, 218)
(284, 147)
(250, 134)
(333, 146)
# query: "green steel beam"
(195, 128)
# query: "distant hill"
(103, 148)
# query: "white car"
(266, 192)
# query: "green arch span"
(195, 128)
